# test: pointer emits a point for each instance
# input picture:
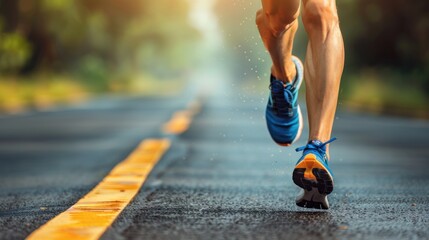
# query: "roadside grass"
(41, 91)
(384, 93)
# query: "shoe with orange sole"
(313, 175)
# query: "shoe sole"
(315, 180)
(312, 199)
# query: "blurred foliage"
(388, 34)
(14, 50)
(38, 91)
(92, 43)
(386, 43)
(95, 38)
(368, 91)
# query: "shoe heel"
(310, 173)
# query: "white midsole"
(312, 196)
(301, 121)
(301, 125)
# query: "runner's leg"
(277, 24)
(323, 65)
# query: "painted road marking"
(94, 213)
(181, 120)
(90, 217)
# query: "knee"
(275, 23)
(319, 14)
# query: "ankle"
(286, 77)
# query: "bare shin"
(323, 65)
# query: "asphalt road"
(223, 178)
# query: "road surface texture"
(222, 179)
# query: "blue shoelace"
(283, 99)
(320, 148)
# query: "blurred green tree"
(392, 34)
(14, 51)
(117, 35)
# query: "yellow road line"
(181, 120)
(94, 213)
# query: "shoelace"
(320, 148)
(282, 100)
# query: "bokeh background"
(62, 52)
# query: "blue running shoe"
(313, 175)
(283, 115)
